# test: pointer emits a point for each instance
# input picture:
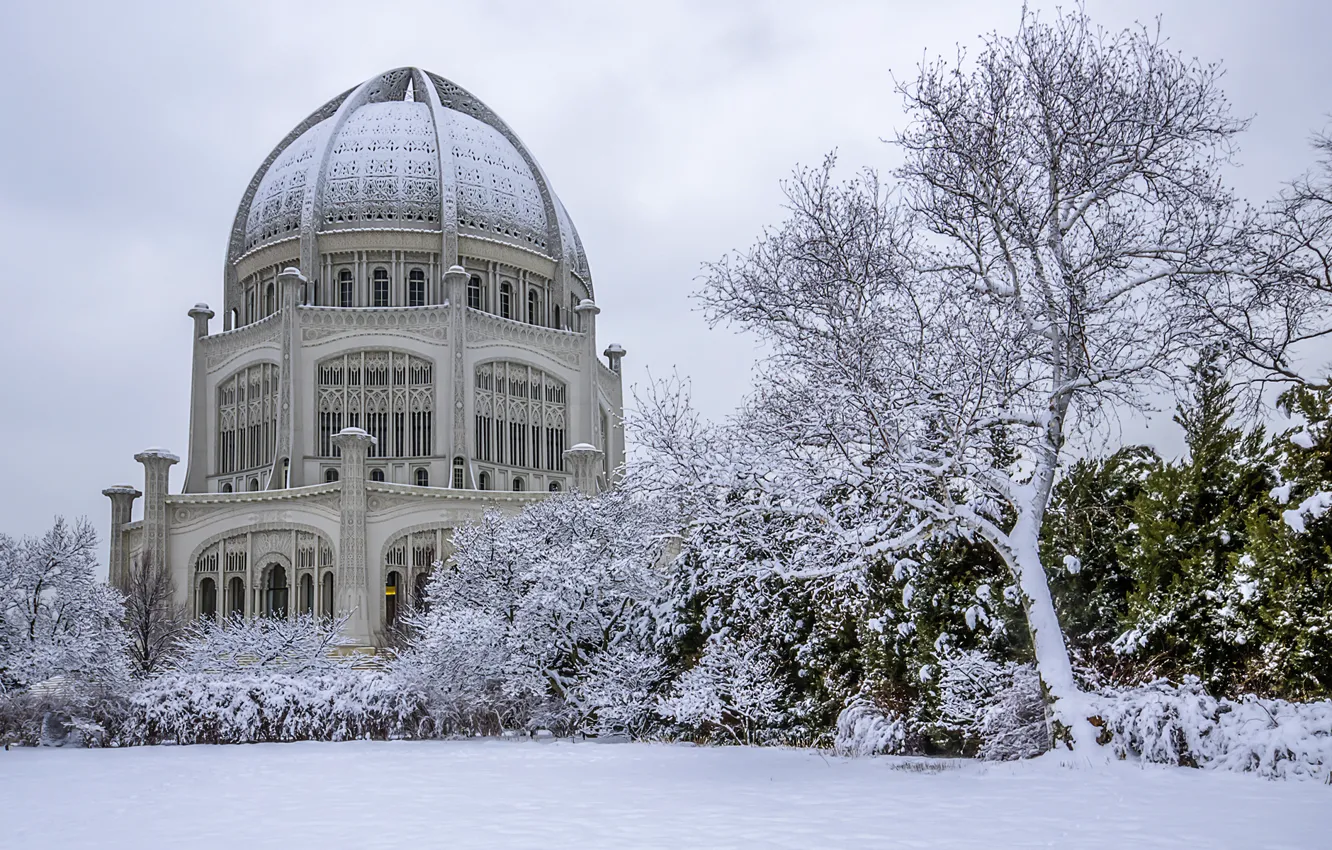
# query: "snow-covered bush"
(545, 619)
(997, 708)
(301, 645)
(190, 708)
(864, 729)
(731, 689)
(617, 693)
(1183, 725)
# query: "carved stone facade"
(399, 249)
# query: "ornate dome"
(406, 150)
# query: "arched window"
(247, 405)
(346, 289)
(474, 292)
(457, 473)
(391, 598)
(326, 596)
(208, 599)
(554, 486)
(307, 594)
(556, 317)
(416, 288)
(483, 481)
(226, 486)
(254, 485)
(390, 394)
(381, 287)
(506, 301)
(520, 416)
(270, 303)
(276, 592)
(330, 475)
(422, 477)
(236, 597)
(533, 308)
(518, 484)
(250, 310)
(376, 474)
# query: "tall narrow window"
(346, 289)
(254, 485)
(457, 473)
(483, 481)
(307, 594)
(416, 288)
(422, 477)
(381, 287)
(270, 303)
(474, 292)
(533, 308)
(556, 317)
(506, 301)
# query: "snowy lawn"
(496, 794)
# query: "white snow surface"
(503, 794)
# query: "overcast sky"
(128, 132)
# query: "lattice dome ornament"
(405, 150)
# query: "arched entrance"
(326, 597)
(307, 594)
(275, 592)
(391, 584)
(236, 597)
(208, 599)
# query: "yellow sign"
(390, 591)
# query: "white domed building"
(408, 338)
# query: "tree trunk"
(1067, 704)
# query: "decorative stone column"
(614, 354)
(285, 471)
(157, 465)
(455, 282)
(351, 588)
(122, 498)
(196, 467)
(587, 421)
(584, 460)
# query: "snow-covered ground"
(496, 794)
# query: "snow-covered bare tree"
(1273, 310)
(55, 617)
(153, 619)
(937, 347)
